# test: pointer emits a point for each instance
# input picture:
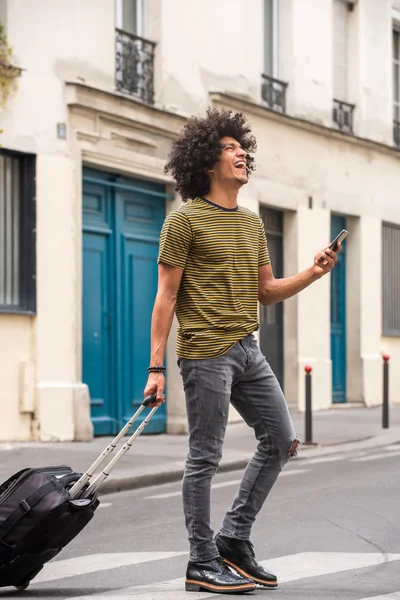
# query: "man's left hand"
(329, 261)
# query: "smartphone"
(338, 239)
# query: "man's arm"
(169, 280)
(271, 290)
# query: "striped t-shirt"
(220, 251)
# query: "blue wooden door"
(121, 226)
(338, 317)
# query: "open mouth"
(242, 167)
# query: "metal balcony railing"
(135, 66)
(343, 115)
(396, 133)
(273, 93)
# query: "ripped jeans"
(243, 377)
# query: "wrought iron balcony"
(273, 93)
(396, 133)
(343, 115)
(135, 66)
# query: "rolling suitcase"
(43, 509)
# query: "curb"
(123, 484)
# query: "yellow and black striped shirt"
(220, 251)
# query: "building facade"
(106, 85)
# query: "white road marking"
(289, 568)
(105, 504)
(392, 596)
(315, 564)
(93, 563)
(328, 459)
(375, 456)
(293, 472)
(221, 484)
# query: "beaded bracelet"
(156, 369)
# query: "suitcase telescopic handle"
(74, 492)
(149, 399)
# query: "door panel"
(271, 317)
(338, 317)
(97, 355)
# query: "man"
(213, 268)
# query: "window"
(391, 279)
(134, 54)
(271, 38)
(130, 16)
(342, 109)
(396, 87)
(17, 233)
(273, 91)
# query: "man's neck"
(223, 196)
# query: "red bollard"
(308, 432)
(385, 406)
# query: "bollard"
(385, 406)
(308, 435)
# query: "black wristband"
(156, 369)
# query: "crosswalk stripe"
(92, 563)
(392, 596)
(289, 568)
(316, 564)
(375, 456)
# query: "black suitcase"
(43, 509)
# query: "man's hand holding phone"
(325, 261)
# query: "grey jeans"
(243, 377)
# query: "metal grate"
(273, 93)
(391, 279)
(17, 233)
(396, 133)
(343, 115)
(135, 66)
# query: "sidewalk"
(156, 459)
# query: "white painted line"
(375, 456)
(315, 564)
(166, 590)
(289, 568)
(167, 495)
(222, 484)
(293, 472)
(105, 504)
(392, 447)
(392, 596)
(335, 458)
(92, 563)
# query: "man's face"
(232, 167)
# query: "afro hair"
(198, 149)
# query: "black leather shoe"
(214, 576)
(239, 554)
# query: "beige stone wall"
(17, 377)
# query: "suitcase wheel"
(23, 586)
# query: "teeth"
(240, 165)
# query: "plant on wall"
(8, 72)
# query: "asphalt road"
(330, 529)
